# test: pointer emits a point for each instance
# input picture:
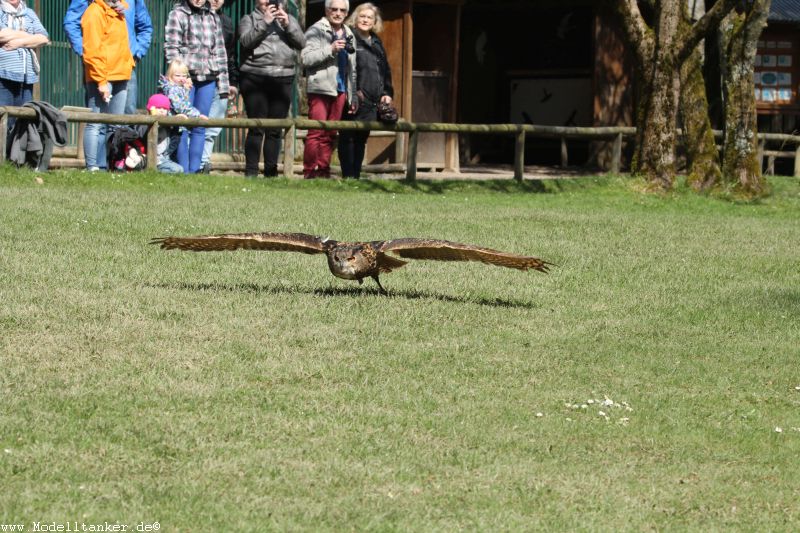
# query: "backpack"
(127, 148)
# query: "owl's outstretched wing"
(277, 242)
(438, 250)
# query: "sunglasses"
(339, 9)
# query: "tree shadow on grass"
(446, 186)
(335, 292)
(783, 300)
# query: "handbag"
(387, 113)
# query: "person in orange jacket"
(108, 63)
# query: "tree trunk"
(658, 128)
(739, 35)
(702, 156)
(657, 113)
(660, 52)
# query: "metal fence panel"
(61, 80)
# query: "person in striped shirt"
(21, 33)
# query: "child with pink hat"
(168, 137)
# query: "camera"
(348, 45)
(276, 3)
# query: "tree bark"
(660, 52)
(739, 35)
(703, 161)
(661, 108)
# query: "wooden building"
(505, 61)
(777, 69)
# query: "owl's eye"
(352, 258)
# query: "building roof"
(784, 11)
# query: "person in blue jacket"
(140, 35)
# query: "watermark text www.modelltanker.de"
(74, 527)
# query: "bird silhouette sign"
(354, 260)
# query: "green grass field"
(650, 382)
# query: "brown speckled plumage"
(355, 260)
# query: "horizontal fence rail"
(290, 125)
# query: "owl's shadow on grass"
(335, 292)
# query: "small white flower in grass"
(539, 415)
(778, 430)
(590, 401)
(601, 413)
(584, 406)
(7, 450)
(608, 402)
(797, 388)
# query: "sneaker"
(93, 169)
(206, 168)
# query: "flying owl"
(354, 260)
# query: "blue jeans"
(14, 93)
(168, 166)
(190, 150)
(94, 139)
(133, 93)
(165, 162)
(219, 108)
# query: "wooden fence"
(291, 125)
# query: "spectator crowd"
(342, 57)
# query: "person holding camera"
(374, 85)
(269, 39)
(329, 59)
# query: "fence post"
(288, 151)
(519, 155)
(564, 154)
(616, 154)
(797, 161)
(152, 147)
(411, 156)
(3, 135)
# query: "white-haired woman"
(374, 85)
